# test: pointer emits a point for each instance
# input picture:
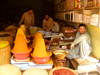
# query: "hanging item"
(77, 4)
(97, 2)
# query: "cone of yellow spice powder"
(37, 36)
(40, 55)
(23, 28)
(20, 31)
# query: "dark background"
(12, 10)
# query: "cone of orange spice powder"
(21, 50)
(40, 55)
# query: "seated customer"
(81, 47)
(55, 27)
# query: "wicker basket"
(57, 68)
(11, 32)
(5, 55)
(6, 37)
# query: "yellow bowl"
(60, 54)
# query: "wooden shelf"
(64, 16)
(73, 22)
(70, 33)
(96, 7)
(87, 8)
(80, 22)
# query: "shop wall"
(95, 39)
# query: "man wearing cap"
(81, 47)
(28, 18)
(47, 23)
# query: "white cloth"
(55, 27)
(83, 46)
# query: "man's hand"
(48, 29)
(19, 24)
(72, 46)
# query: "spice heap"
(9, 70)
(40, 49)
(62, 71)
(37, 36)
(40, 55)
(20, 31)
(35, 71)
(20, 45)
(3, 44)
(23, 28)
(21, 50)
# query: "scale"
(60, 57)
(60, 62)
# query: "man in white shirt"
(56, 27)
(47, 23)
(81, 47)
(28, 18)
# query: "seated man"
(55, 26)
(47, 23)
(83, 44)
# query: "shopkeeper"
(28, 18)
(47, 23)
(81, 47)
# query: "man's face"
(82, 29)
(30, 11)
(46, 17)
(54, 22)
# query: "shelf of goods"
(79, 11)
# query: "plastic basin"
(41, 60)
(22, 56)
